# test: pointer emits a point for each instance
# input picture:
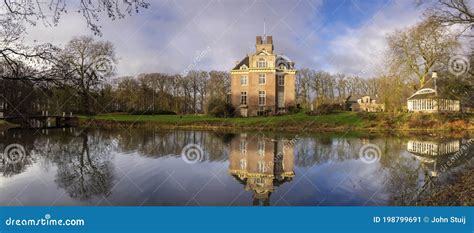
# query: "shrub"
(367, 116)
(421, 120)
(219, 108)
(326, 108)
(293, 109)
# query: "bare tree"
(21, 62)
(453, 12)
(187, 93)
(420, 48)
(219, 84)
(88, 63)
(39, 63)
(49, 12)
(303, 87)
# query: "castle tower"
(263, 83)
(264, 43)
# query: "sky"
(173, 36)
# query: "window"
(281, 80)
(243, 164)
(262, 79)
(261, 147)
(243, 98)
(261, 63)
(281, 99)
(243, 147)
(262, 168)
(261, 98)
(243, 80)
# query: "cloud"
(170, 35)
(360, 51)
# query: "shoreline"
(460, 183)
(336, 123)
(333, 123)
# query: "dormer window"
(262, 63)
(282, 67)
(244, 67)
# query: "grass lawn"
(299, 119)
(295, 122)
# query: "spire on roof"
(264, 32)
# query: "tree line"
(80, 77)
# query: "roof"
(429, 84)
(429, 93)
(356, 97)
(244, 61)
(282, 59)
(425, 93)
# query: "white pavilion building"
(427, 100)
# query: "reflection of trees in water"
(171, 143)
(11, 169)
(87, 170)
(429, 172)
(83, 162)
(84, 166)
(402, 174)
(16, 137)
(313, 151)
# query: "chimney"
(269, 40)
(434, 75)
(259, 40)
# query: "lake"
(137, 167)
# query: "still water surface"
(149, 167)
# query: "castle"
(263, 83)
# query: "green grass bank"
(340, 121)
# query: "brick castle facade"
(263, 83)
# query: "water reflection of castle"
(261, 164)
